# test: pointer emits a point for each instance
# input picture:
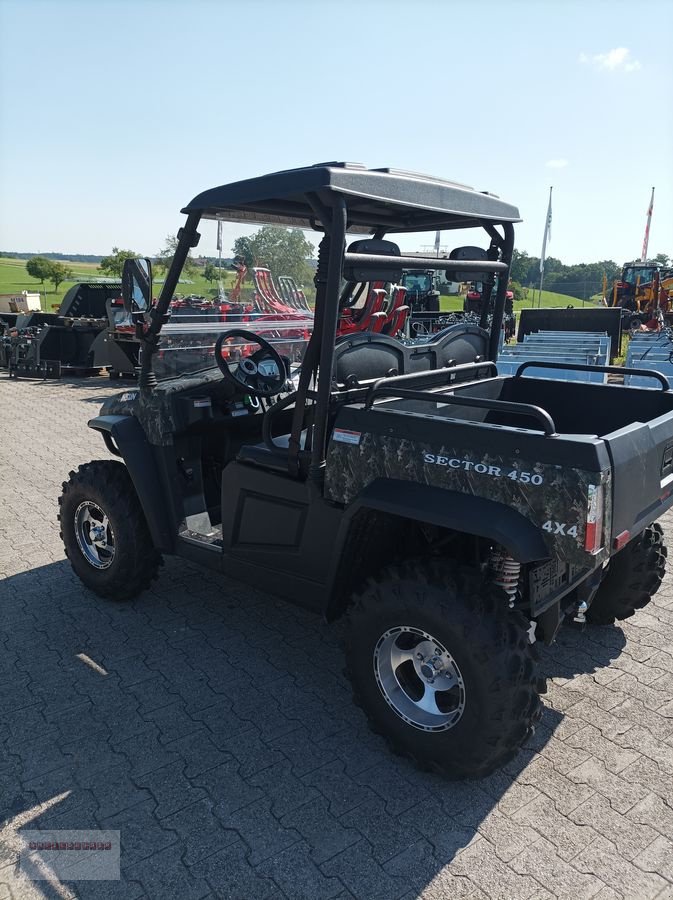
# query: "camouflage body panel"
(554, 498)
(157, 410)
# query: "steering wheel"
(262, 373)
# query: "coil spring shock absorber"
(505, 573)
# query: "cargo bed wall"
(546, 479)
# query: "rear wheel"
(104, 531)
(442, 668)
(634, 576)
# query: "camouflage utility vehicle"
(453, 517)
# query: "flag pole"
(547, 236)
(220, 286)
(646, 239)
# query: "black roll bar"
(423, 262)
(444, 375)
(517, 409)
(583, 367)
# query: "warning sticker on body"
(345, 436)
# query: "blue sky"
(114, 114)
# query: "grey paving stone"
(602, 860)
(171, 789)
(498, 880)
(417, 865)
(231, 876)
(163, 875)
(145, 753)
(199, 830)
(198, 752)
(357, 868)
(154, 693)
(568, 833)
(251, 752)
(283, 788)
(615, 757)
(222, 721)
(304, 755)
(555, 874)
(629, 837)
(386, 834)
(657, 858)
(226, 789)
(140, 832)
(391, 786)
(172, 722)
(256, 825)
(442, 831)
(297, 875)
(508, 837)
(652, 810)
(342, 792)
(565, 793)
(325, 835)
(113, 789)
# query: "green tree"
(113, 264)
(165, 256)
(58, 273)
(284, 251)
(211, 272)
(243, 248)
(39, 267)
(520, 265)
(662, 259)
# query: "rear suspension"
(505, 573)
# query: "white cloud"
(557, 163)
(617, 59)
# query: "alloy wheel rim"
(419, 679)
(94, 534)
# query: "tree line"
(286, 251)
(283, 250)
(581, 281)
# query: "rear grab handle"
(583, 367)
(518, 409)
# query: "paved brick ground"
(224, 783)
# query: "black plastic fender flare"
(124, 436)
(452, 509)
(448, 509)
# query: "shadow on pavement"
(212, 726)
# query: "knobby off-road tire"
(490, 711)
(633, 577)
(99, 500)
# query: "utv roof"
(389, 198)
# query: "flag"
(219, 235)
(547, 234)
(646, 239)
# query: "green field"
(14, 279)
(549, 298)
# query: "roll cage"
(336, 199)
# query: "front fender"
(125, 437)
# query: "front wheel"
(633, 577)
(442, 668)
(105, 533)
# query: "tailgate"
(642, 461)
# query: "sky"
(114, 115)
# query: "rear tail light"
(593, 534)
